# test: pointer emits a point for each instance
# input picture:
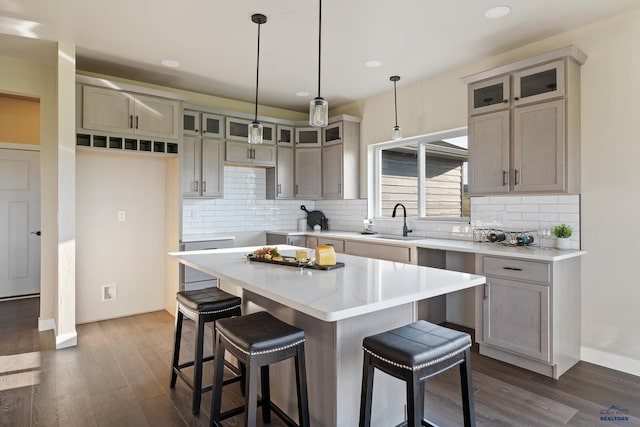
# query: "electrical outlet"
(122, 216)
(109, 292)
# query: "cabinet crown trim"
(570, 51)
(126, 87)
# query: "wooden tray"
(297, 263)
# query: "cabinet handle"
(512, 268)
(279, 188)
(515, 177)
(204, 186)
(485, 291)
(296, 189)
(131, 121)
(339, 188)
(504, 178)
(195, 185)
(137, 121)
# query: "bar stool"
(258, 340)
(414, 353)
(201, 306)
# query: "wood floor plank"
(118, 375)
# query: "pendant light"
(396, 133)
(319, 107)
(255, 127)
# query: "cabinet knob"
(517, 98)
(505, 101)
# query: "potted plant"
(562, 232)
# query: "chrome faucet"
(405, 229)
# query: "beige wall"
(610, 179)
(38, 80)
(130, 254)
(19, 120)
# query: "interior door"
(19, 222)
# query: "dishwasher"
(192, 279)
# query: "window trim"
(374, 161)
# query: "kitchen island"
(337, 309)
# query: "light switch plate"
(122, 216)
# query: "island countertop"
(363, 286)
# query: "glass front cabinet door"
(489, 95)
(332, 134)
(308, 137)
(285, 135)
(539, 83)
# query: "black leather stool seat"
(258, 340)
(201, 306)
(414, 353)
(208, 300)
(417, 345)
(259, 333)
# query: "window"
(427, 174)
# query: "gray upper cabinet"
(238, 130)
(490, 95)
(524, 126)
(115, 111)
(242, 153)
(308, 173)
(280, 180)
(285, 135)
(202, 167)
(308, 137)
(202, 124)
(341, 160)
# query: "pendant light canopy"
(255, 127)
(396, 133)
(319, 107)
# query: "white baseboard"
(46, 324)
(66, 340)
(609, 360)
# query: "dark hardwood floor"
(118, 375)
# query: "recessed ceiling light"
(171, 63)
(374, 63)
(497, 12)
(302, 93)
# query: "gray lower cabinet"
(192, 279)
(530, 313)
(372, 250)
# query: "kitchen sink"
(393, 237)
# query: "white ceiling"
(215, 40)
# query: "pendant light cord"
(257, 74)
(319, 43)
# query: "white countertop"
(363, 286)
(521, 252)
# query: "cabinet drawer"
(385, 252)
(517, 269)
(338, 245)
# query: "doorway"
(19, 196)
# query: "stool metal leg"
(467, 390)
(266, 394)
(367, 391)
(176, 347)
(301, 384)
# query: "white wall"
(130, 254)
(610, 145)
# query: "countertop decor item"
(562, 232)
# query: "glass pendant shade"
(255, 132)
(318, 112)
(396, 133)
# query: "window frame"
(374, 181)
